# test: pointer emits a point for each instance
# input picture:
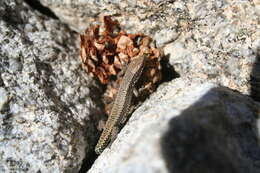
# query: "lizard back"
(122, 101)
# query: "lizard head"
(137, 64)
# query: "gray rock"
(148, 16)
(214, 40)
(187, 127)
(46, 111)
(49, 107)
(221, 43)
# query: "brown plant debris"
(106, 50)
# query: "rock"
(49, 107)
(221, 44)
(214, 40)
(187, 127)
(147, 16)
(46, 99)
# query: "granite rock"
(215, 40)
(49, 107)
(221, 44)
(187, 127)
(147, 16)
(46, 122)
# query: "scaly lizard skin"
(122, 103)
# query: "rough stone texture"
(214, 40)
(187, 127)
(45, 104)
(148, 16)
(221, 44)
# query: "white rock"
(194, 110)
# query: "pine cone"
(105, 54)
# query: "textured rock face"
(150, 16)
(49, 107)
(44, 94)
(212, 40)
(221, 45)
(197, 128)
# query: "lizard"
(122, 103)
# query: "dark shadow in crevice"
(35, 4)
(94, 117)
(1, 82)
(11, 17)
(213, 135)
(255, 78)
(168, 71)
(88, 161)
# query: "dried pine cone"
(105, 53)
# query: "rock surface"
(45, 104)
(148, 16)
(49, 107)
(187, 127)
(214, 40)
(221, 44)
